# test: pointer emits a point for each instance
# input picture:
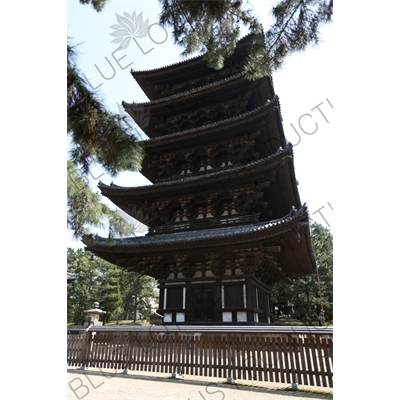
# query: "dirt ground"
(106, 384)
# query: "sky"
(304, 86)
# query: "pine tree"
(310, 296)
(213, 28)
(110, 292)
(97, 136)
(120, 293)
(82, 293)
(138, 293)
(85, 210)
(323, 243)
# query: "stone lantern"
(156, 319)
(94, 315)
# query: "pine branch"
(85, 210)
(98, 136)
(98, 5)
(296, 26)
(213, 27)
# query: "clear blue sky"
(304, 86)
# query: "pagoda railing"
(209, 223)
(302, 355)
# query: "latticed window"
(175, 297)
(234, 296)
(261, 300)
(263, 304)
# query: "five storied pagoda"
(224, 213)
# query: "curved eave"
(152, 113)
(222, 129)
(195, 95)
(281, 195)
(172, 69)
(266, 117)
(188, 182)
(290, 232)
(179, 96)
(182, 70)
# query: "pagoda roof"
(184, 70)
(180, 103)
(286, 195)
(224, 129)
(291, 233)
(267, 116)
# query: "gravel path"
(106, 384)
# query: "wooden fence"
(274, 354)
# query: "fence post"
(229, 378)
(84, 356)
(177, 347)
(128, 353)
(175, 373)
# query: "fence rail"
(274, 354)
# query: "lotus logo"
(140, 116)
(130, 27)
